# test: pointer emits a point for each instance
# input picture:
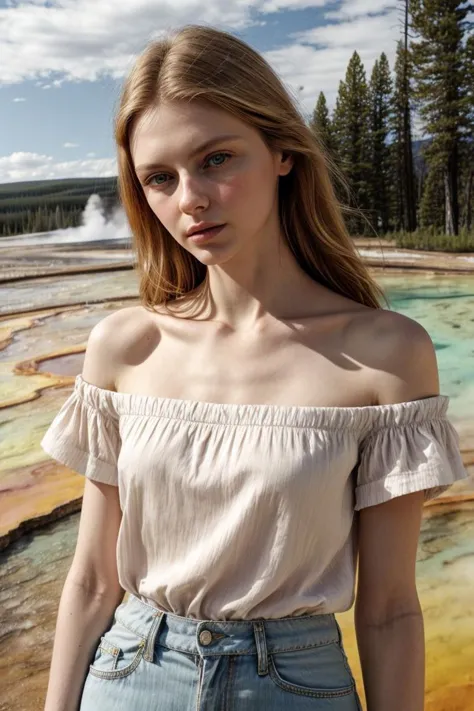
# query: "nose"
(193, 196)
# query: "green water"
(444, 306)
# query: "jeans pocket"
(118, 653)
(317, 671)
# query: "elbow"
(92, 588)
(367, 615)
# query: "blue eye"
(217, 155)
(221, 154)
(158, 175)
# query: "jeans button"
(205, 637)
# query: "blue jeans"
(149, 660)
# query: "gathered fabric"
(234, 511)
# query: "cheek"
(232, 191)
(242, 191)
(163, 209)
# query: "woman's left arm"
(388, 616)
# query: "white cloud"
(53, 85)
(91, 155)
(18, 99)
(70, 145)
(34, 166)
(77, 40)
(278, 5)
(369, 35)
(350, 9)
(86, 39)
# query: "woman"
(251, 427)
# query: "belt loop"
(151, 637)
(261, 642)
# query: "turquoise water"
(444, 306)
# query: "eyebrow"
(199, 149)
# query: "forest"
(417, 191)
(420, 193)
(45, 205)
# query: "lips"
(206, 234)
(205, 229)
(208, 229)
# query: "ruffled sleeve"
(84, 434)
(408, 447)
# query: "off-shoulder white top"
(242, 511)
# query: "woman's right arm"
(91, 591)
(82, 619)
(89, 598)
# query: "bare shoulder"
(111, 342)
(401, 355)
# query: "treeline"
(369, 133)
(45, 205)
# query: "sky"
(62, 64)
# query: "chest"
(282, 365)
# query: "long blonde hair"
(202, 63)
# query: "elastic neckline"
(120, 403)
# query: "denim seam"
(130, 629)
(120, 673)
(294, 648)
(340, 645)
(108, 648)
(262, 651)
(227, 702)
(151, 637)
(200, 680)
(303, 691)
(181, 651)
(241, 652)
(346, 663)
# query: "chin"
(213, 254)
(211, 260)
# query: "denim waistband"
(218, 637)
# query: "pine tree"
(432, 211)
(467, 145)
(439, 88)
(320, 124)
(57, 218)
(351, 130)
(404, 199)
(410, 177)
(37, 220)
(381, 87)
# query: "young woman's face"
(231, 180)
